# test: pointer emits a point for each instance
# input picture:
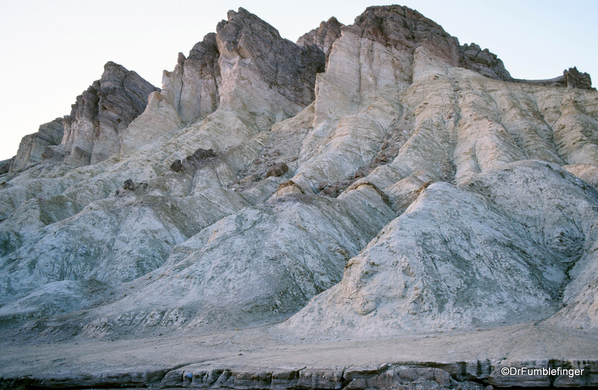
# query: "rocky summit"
(374, 206)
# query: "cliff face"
(372, 180)
(97, 119)
(246, 75)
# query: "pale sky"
(51, 51)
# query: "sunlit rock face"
(493, 250)
(372, 180)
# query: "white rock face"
(420, 196)
(158, 119)
(192, 88)
(491, 251)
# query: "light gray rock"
(112, 241)
(281, 254)
(192, 88)
(158, 120)
(54, 298)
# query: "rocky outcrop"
(251, 48)
(278, 170)
(571, 78)
(34, 146)
(192, 87)
(488, 64)
(576, 79)
(483, 62)
(405, 29)
(93, 129)
(279, 72)
(244, 77)
(323, 36)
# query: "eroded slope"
(396, 190)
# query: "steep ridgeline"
(371, 180)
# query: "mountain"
(375, 181)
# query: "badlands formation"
(375, 206)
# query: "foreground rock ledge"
(261, 358)
(474, 374)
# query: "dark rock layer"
(286, 67)
(483, 62)
(576, 79)
(102, 112)
(406, 29)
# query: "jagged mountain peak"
(113, 75)
(243, 21)
(93, 130)
(323, 36)
(282, 64)
(206, 47)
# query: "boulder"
(278, 170)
